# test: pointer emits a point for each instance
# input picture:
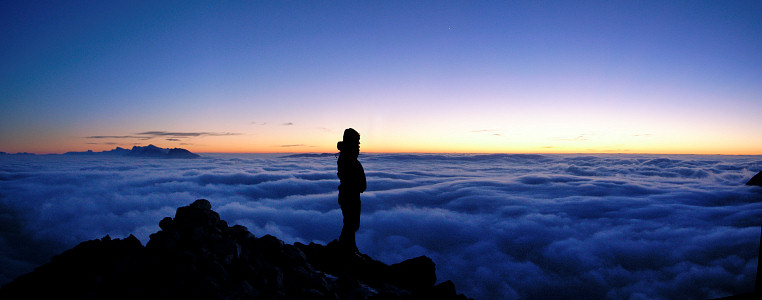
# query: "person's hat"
(351, 135)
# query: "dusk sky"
(410, 76)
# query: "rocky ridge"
(197, 255)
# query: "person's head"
(351, 135)
(350, 142)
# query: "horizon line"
(420, 152)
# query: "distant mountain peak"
(143, 151)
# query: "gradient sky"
(439, 76)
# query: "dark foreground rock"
(197, 255)
(756, 180)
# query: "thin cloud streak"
(186, 134)
(171, 136)
(114, 137)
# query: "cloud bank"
(500, 226)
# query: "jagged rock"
(414, 274)
(196, 255)
(756, 180)
(444, 290)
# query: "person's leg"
(350, 209)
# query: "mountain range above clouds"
(143, 151)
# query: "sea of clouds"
(499, 226)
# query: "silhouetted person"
(352, 177)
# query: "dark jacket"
(352, 175)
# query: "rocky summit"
(197, 255)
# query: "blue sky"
(440, 76)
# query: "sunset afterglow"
(527, 77)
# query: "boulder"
(414, 274)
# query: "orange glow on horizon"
(374, 141)
(200, 150)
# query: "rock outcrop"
(197, 255)
(756, 180)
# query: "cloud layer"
(500, 226)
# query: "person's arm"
(362, 183)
